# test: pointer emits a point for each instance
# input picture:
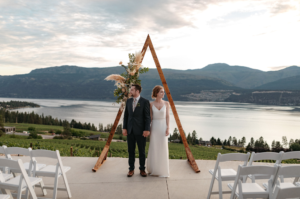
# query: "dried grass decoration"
(124, 81)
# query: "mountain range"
(73, 82)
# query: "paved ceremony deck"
(111, 181)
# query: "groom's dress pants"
(141, 142)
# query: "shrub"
(58, 132)
(34, 135)
(1, 133)
(31, 128)
(58, 137)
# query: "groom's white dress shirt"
(135, 101)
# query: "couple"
(138, 117)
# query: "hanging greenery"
(131, 76)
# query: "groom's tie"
(134, 103)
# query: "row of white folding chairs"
(230, 174)
(275, 189)
(34, 169)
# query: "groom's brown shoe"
(143, 173)
(130, 173)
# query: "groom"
(136, 126)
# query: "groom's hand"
(124, 132)
(146, 133)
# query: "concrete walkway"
(111, 181)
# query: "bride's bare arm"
(168, 118)
(151, 104)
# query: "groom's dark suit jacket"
(138, 121)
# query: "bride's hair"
(156, 90)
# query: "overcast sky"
(189, 34)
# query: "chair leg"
(55, 186)
(42, 187)
(211, 187)
(66, 184)
(220, 189)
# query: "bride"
(158, 153)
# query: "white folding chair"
(263, 156)
(225, 174)
(54, 171)
(291, 171)
(283, 193)
(25, 152)
(4, 196)
(27, 165)
(251, 190)
(288, 156)
(5, 170)
(20, 183)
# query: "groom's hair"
(137, 87)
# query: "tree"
(100, 127)
(234, 141)
(200, 139)
(278, 145)
(213, 141)
(248, 147)
(284, 142)
(225, 142)
(1, 122)
(291, 142)
(189, 139)
(219, 141)
(273, 144)
(252, 142)
(175, 135)
(243, 141)
(194, 137)
(295, 147)
(67, 130)
(229, 140)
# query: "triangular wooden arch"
(190, 157)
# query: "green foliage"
(295, 147)
(58, 132)
(1, 133)
(122, 92)
(31, 128)
(34, 135)
(17, 104)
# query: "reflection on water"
(218, 119)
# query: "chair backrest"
(253, 170)
(233, 157)
(265, 156)
(17, 164)
(291, 171)
(292, 192)
(290, 155)
(17, 150)
(45, 153)
(2, 149)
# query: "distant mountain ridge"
(73, 82)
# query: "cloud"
(282, 7)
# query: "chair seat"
(26, 166)
(49, 171)
(282, 185)
(7, 176)
(13, 184)
(250, 189)
(297, 184)
(4, 196)
(226, 174)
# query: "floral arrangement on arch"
(125, 80)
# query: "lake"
(218, 119)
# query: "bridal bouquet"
(128, 78)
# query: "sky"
(190, 34)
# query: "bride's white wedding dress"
(158, 153)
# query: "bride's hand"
(167, 132)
